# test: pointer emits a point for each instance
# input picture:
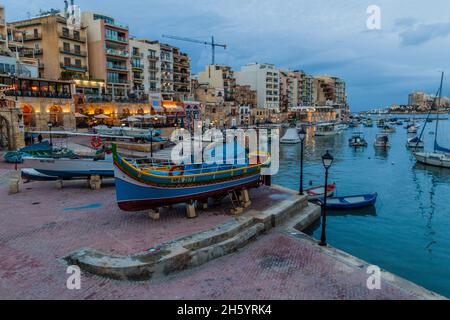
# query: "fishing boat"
(326, 129)
(399, 123)
(290, 137)
(382, 141)
(440, 157)
(342, 126)
(38, 168)
(352, 202)
(142, 187)
(381, 123)
(368, 124)
(415, 143)
(318, 192)
(357, 140)
(388, 129)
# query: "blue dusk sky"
(380, 67)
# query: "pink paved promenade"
(40, 225)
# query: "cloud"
(405, 22)
(423, 33)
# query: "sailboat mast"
(437, 111)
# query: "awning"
(156, 106)
(172, 106)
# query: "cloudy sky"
(319, 36)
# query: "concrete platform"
(41, 226)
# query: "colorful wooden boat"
(141, 187)
(318, 192)
(352, 202)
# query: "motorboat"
(388, 129)
(415, 143)
(382, 141)
(105, 130)
(433, 158)
(357, 140)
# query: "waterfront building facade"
(221, 78)
(109, 54)
(61, 51)
(264, 78)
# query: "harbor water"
(408, 230)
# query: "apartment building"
(146, 68)
(264, 78)
(308, 90)
(220, 77)
(245, 96)
(181, 74)
(61, 50)
(167, 87)
(3, 31)
(109, 54)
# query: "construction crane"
(213, 44)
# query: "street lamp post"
(50, 125)
(327, 160)
(151, 141)
(302, 135)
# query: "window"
(78, 63)
(76, 35)
(77, 49)
(66, 47)
(67, 61)
(65, 32)
(36, 33)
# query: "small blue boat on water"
(352, 202)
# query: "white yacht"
(290, 137)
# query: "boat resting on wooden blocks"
(141, 187)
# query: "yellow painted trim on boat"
(141, 172)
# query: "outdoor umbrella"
(79, 115)
(101, 116)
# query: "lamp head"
(327, 160)
(302, 134)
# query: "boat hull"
(352, 202)
(433, 159)
(65, 168)
(133, 195)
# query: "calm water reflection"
(408, 232)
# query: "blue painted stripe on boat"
(127, 191)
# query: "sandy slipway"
(258, 255)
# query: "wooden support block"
(245, 198)
(154, 214)
(95, 182)
(190, 210)
(203, 204)
(13, 186)
(237, 211)
(59, 184)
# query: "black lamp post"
(302, 136)
(327, 160)
(151, 141)
(50, 125)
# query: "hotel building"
(264, 78)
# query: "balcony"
(73, 52)
(67, 35)
(30, 52)
(116, 24)
(117, 53)
(138, 67)
(117, 39)
(153, 58)
(31, 37)
(38, 94)
(152, 68)
(118, 81)
(118, 67)
(73, 67)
